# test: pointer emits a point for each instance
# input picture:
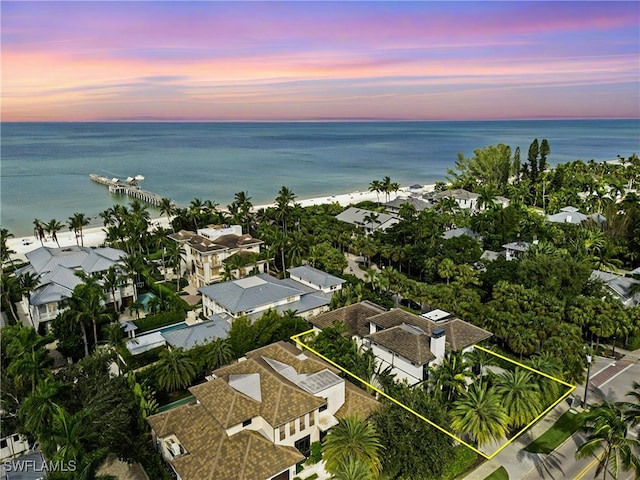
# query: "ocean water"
(45, 167)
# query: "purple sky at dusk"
(76, 61)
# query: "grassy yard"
(566, 425)
(499, 474)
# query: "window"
(304, 446)
(3, 443)
(292, 427)
(302, 424)
(312, 419)
(246, 422)
(282, 433)
(322, 408)
(16, 438)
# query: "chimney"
(437, 344)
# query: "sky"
(268, 61)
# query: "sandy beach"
(95, 236)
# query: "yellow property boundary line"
(295, 338)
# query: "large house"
(308, 291)
(207, 251)
(407, 343)
(257, 418)
(368, 220)
(626, 289)
(573, 215)
(57, 269)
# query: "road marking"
(621, 371)
(586, 469)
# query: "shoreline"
(94, 236)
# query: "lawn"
(499, 474)
(564, 427)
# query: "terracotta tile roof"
(355, 316)
(406, 340)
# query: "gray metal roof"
(619, 285)
(356, 216)
(457, 232)
(249, 293)
(315, 276)
(49, 294)
(198, 334)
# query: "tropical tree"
(607, 429)
(38, 409)
(371, 218)
(5, 251)
(480, 413)
(449, 379)
(447, 269)
(376, 186)
(69, 435)
(112, 280)
(632, 409)
(219, 352)
(52, 228)
(520, 396)
(175, 369)
(352, 438)
(167, 208)
(77, 223)
(87, 304)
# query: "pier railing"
(130, 189)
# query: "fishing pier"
(131, 188)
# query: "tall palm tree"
(606, 428)
(77, 223)
(5, 251)
(69, 436)
(632, 409)
(29, 368)
(11, 293)
(176, 369)
(371, 218)
(480, 414)
(353, 469)
(52, 228)
(376, 186)
(38, 230)
(176, 254)
(355, 438)
(520, 396)
(38, 409)
(112, 280)
(166, 208)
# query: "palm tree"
(354, 438)
(11, 292)
(135, 306)
(30, 367)
(520, 396)
(5, 251)
(38, 409)
(371, 218)
(386, 187)
(38, 230)
(447, 269)
(219, 353)
(480, 414)
(449, 379)
(376, 186)
(69, 435)
(353, 469)
(606, 427)
(77, 223)
(176, 254)
(176, 369)
(52, 228)
(166, 208)
(632, 409)
(488, 194)
(87, 304)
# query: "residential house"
(207, 251)
(515, 250)
(573, 215)
(626, 289)
(457, 232)
(407, 343)
(307, 292)
(465, 200)
(57, 269)
(368, 220)
(420, 204)
(257, 418)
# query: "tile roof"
(315, 276)
(354, 315)
(419, 203)
(457, 193)
(211, 454)
(222, 242)
(408, 341)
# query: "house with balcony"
(257, 418)
(58, 270)
(407, 343)
(208, 250)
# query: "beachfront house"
(573, 215)
(257, 418)
(403, 341)
(308, 292)
(393, 207)
(466, 200)
(368, 220)
(57, 270)
(210, 249)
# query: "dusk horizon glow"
(330, 61)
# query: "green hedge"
(145, 358)
(158, 320)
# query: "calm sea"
(46, 166)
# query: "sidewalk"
(513, 458)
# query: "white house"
(257, 418)
(57, 269)
(407, 343)
(207, 251)
(308, 292)
(515, 250)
